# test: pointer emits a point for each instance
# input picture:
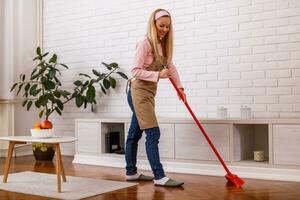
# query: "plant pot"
(43, 151)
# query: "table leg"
(61, 165)
(8, 160)
(58, 168)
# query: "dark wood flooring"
(196, 187)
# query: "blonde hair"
(166, 42)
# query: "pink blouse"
(143, 58)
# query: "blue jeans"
(152, 140)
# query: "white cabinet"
(183, 148)
(191, 144)
(88, 137)
(286, 139)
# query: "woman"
(153, 61)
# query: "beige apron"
(143, 93)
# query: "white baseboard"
(265, 173)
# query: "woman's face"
(162, 26)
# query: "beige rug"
(43, 184)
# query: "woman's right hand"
(165, 73)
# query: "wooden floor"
(195, 188)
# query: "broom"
(232, 178)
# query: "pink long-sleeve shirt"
(144, 57)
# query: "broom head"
(235, 180)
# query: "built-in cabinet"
(286, 144)
(7, 118)
(183, 148)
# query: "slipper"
(141, 177)
(171, 183)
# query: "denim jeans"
(152, 140)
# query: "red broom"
(232, 178)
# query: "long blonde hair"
(166, 42)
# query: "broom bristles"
(235, 180)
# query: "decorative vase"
(43, 151)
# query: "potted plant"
(44, 90)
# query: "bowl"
(41, 133)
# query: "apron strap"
(128, 85)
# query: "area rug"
(43, 184)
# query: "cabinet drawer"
(191, 144)
(88, 137)
(286, 144)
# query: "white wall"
(228, 53)
(18, 41)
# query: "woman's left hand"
(182, 94)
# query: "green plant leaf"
(65, 66)
(24, 102)
(45, 54)
(41, 113)
(52, 73)
(49, 85)
(36, 92)
(92, 107)
(29, 105)
(93, 81)
(85, 84)
(65, 93)
(114, 65)
(33, 71)
(38, 50)
(90, 93)
(106, 83)
(96, 72)
(81, 74)
(85, 103)
(60, 105)
(113, 82)
(27, 86)
(106, 65)
(57, 110)
(20, 87)
(102, 88)
(122, 75)
(37, 103)
(57, 81)
(57, 93)
(34, 76)
(79, 100)
(36, 58)
(43, 99)
(53, 59)
(33, 89)
(13, 87)
(78, 83)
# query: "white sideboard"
(7, 118)
(184, 149)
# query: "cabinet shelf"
(248, 138)
(112, 137)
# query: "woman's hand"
(165, 73)
(182, 94)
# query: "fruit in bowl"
(42, 130)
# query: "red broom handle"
(200, 126)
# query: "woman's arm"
(175, 75)
(138, 71)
